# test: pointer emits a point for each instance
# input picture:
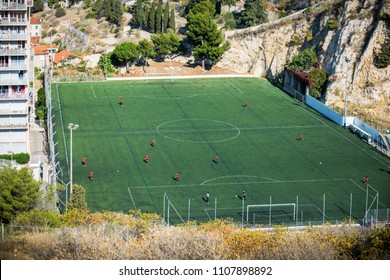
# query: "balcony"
(8, 126)
(13, 6)
(7, 51)
(6, 36)
(13, 112)
(13, 67)
(13, 22)
(7, 96)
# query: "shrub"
(37, 218)
(332, 23)
(382, 58)
(384, 16)
(60, 12)
(318, 78)
(21, 158)
(309, 35)
(230, 22)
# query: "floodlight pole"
(347, 60)
(71, 127)
(350, 210)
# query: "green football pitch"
(287, 181)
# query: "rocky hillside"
(356, 33)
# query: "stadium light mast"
(71, 127)
(347, 60)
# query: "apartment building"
(16, 76)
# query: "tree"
(166, 17)
(126, 52)
(318, 79)
(303, 61)
(159, 14)
(166, 43)
(152, 17)
(38, 6)
(116, 12)
(146, 50)
(105, 63)
(172, 22)
(77, 199)
(139, 13)
(204, 33)
(255, 13)
(60, 12)
(19, 192)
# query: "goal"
(289, 209)
(158, 76)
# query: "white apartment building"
(16, 76)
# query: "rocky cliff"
(345, 48)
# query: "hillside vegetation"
(112, 236)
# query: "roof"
(35, 40)
(304, 76)
(35, 20)
(43, 49)
(62, 55)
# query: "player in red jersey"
(147, 158)
(85, 161)
(91, 176)
(177, 177)
(121, 101)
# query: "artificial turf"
(191, 121)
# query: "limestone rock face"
(75, 40)
(346, 52)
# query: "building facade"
(16, 76)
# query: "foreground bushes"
(136, 235)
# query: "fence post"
(2, 232)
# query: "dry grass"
(213, 242)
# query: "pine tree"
(172, 23)
(166, 17)
(255, 13)
(159, 14)
(152, 17)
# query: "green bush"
(60, 12)
(318, 79)
(309, 35)
(21, 158)
(230, 21)
(382, 58)
(332, 23)
(384, 16)
(37, 218)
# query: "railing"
(21, 51)
(13, 82)
(13, 6)
(13, 112)
(13, 96)
(13, 67)
(14, 36)
(13, 125)
(6, 21)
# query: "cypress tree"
(152, 17)
(159, 14)
(172, 23)
(166, 17)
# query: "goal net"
(263, 213)
(158, 77)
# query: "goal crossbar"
(158, 76)
(270, 207)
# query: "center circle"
(198, 130)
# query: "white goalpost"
(158, 76)
(270, 206)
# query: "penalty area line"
(131, 197)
